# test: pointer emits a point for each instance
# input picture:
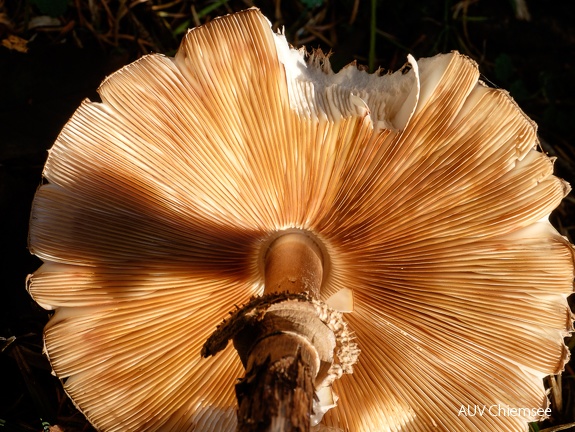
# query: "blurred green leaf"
(310, 4)
(518, 91)
(54, 8)
(504, 68)
(183, 27)
(203, 12)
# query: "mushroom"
(423, 191)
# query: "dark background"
(54, 53)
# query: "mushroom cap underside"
(424, 188)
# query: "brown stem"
(276, 394)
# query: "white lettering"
(498, 410)
(471, 410)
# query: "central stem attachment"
(293, 263)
